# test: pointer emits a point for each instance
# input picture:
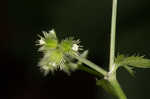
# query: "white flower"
(75, 47)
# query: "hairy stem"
(91, 65)
(113, 34)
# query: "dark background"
(88, 20)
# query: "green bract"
(57, 56)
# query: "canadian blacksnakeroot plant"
(67, 55)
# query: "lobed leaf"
(135, 61)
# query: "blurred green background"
(88, 20)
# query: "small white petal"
(52, 31)
(41, 41)
(45, 67)
(54, 64)
(75, 47)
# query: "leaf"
(130, 70)
(119, 58)
(135, 61)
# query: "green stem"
(113, 34)
(91, 65)
(112, 81)
(112, 86)
(116, 87)
(89, 70)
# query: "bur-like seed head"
(57, 56)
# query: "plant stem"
(113, 34)
(117, 88)
(112, 86)
(91, 65)
(89, 70)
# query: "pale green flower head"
(49, 41)
(51, 61)
(57, 55)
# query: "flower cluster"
(57, 54)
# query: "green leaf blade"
(135, 61)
